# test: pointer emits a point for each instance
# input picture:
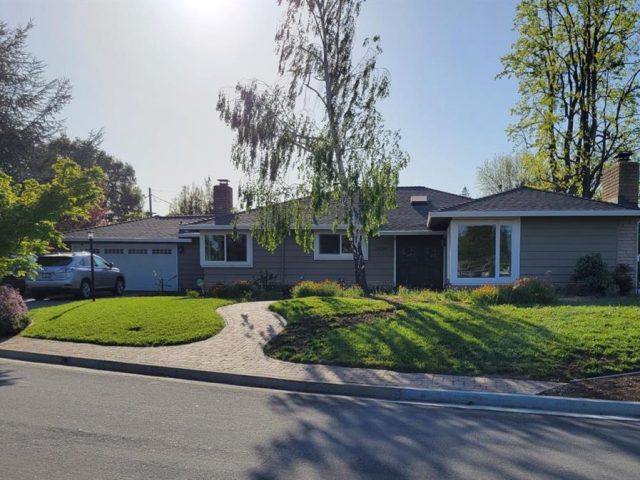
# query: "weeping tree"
(313, 147)
(577, 64)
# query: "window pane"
(54, 261)
(477, 251)
(505, 250)
(237, 249)
(99, 262)
(329, 244)
(214, 248)
(346, 244)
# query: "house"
(431, 239)
(147, 250)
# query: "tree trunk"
(358, 261)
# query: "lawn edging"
(506, 401)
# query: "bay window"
(222, 249)
(484, 252)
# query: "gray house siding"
(290, 264)
(550, 247)
(189, 269)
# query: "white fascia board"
(536, 213)
(127, 240)
(246, 226)
(384, 233)
(205, 226)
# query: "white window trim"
(452, 266)
(223, 263)
(335, 256)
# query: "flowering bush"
(14, 315)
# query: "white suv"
(70, 272)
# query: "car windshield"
(54, 261)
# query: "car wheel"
(85, 290)
(118, 290)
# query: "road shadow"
(6, 377)
(332, 437)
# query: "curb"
(439, 396)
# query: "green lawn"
(134, 321)
(559, 342)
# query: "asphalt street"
(65, 423)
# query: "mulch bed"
(616, 388)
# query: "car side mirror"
(110, 264)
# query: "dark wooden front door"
(420, 261)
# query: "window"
(476, 251)
(333, 246)
(137, 251)
(222, 249)
(113, 251)
(98, 262)
(484, 252)
(161, 251)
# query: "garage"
(145, 250)
(149, 267)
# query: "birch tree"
(314, 145)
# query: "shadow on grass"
(444, 338)
(71, 307)
(329, 437)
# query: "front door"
(420, 261)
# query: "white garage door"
(146, 266)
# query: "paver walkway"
(238, 349)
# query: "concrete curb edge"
(450, 397)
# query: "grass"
(559, 342)
(133, 321)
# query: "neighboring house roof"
(153, 228)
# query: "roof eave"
(128, 239)
(533, 213)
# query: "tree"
(193, 200)
(30, 211)
(122, 196)
(577, 64)
(314, 145)
(29, 104)
(503, 172)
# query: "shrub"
(528, 291)
(14, 315)
(622, 278)
(457, 295)
(192, 294)
(592, 275)
(231, 290)
(485, 295)
(354, 291)
(326, 288)
(265, 281)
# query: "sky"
(149, 71)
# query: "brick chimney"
(620, 181)
(222, 197)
